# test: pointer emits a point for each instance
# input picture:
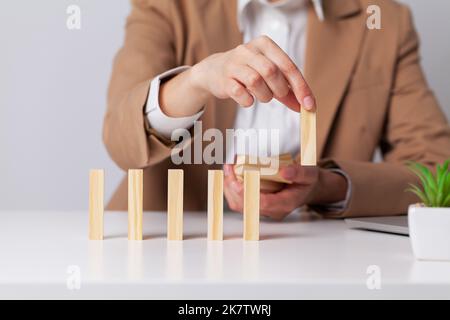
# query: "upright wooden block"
(96, 196)
(215, 205)
(175, 205)
(308, 138)
(135, 203)
(251, 205)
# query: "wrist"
(331, 187)
(182, 91)
(196, 83)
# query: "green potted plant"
(429, 221)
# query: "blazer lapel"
(331, 53)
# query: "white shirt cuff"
(158, 120)
(340, 205)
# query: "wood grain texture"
(215, 205)
(175, 205)
(245, 162)
(96, 206)
(251, 205)
(135, 203)
(308, 138)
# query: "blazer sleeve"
(148, 50)
(416, 129)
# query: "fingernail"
(289, 173)
(308, 103)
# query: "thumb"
(290, 173)
(298, 174)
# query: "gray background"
(53, 86)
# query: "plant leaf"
(446, 203)
(429, 176)
(442, 178)
(422, 172)
(438, 171)
(445, 167)
(431, 195)
(416, 190)
(447, 180)
(417, 172)
(428, 182)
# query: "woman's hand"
(258, 69)
(311, 186)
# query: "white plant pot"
(429, 231)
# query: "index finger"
(297, 82)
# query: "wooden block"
(240, 169)
(285, 158)
(251, 205)
(308, 138)
(215, 205)
(244, 163)
(96, 196)
(175, 205)
(266, 186)
(135, 203)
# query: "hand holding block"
(96, 196)
(215, 205)
(135, 202)
(251, 205)
(269, 182)
(175, 205)
(308, 138)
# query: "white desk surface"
(296, 259)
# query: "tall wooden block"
(135, 203)
(215, 205)
(96, 196)
(251, 205)
(175, 205)
(308, 138)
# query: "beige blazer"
(370, 89)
